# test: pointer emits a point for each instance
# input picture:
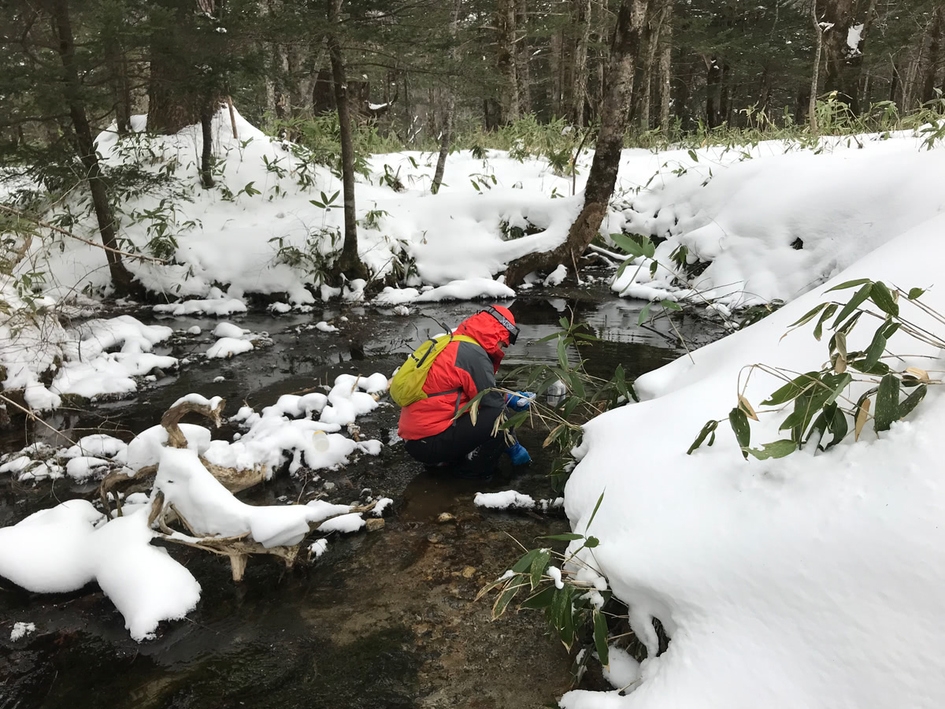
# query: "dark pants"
(463, 450)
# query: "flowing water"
(383, 619)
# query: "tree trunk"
(206, 152)
(815, 75)
(350, 262)
(121, 279)
(837, 16)
(666, 66)
(170, 104)
(505, 59)
(581, 26)
(934, 56)
(713, 83)
(447, 136)
(558, 105)
(278, 101)
(618, 90)
(121, 89)
(522, 58)
(654, 27)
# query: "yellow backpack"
(406, 386)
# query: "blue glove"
(518, 454)
(519, 401)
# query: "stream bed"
(382, 619)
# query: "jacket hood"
(488, 332)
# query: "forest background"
(345, 79)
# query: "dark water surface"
(383, 619)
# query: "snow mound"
(773, 227)
(784, 582)
(64, 548)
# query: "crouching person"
(464, 363)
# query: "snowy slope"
(808, 581)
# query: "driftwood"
(233, 479)
(239, 548)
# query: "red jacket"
(458, 373)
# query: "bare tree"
(618, 90)
(505, 59)
(447, 135)
(666, 66)
(581, 26)
(350, 262)
(122, 280)
(815, 75)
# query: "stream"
(382, 619)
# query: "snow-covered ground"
(807, 581)
(769, 221)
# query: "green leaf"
(792, 389)
(525, 563)
(915, 293)
(875, 351)
(592, 542)
(539, 564)
(858, 298)
(570, 405)
(891, 329)
(709, 427)
(776, 449)
(808, 316)
(887, 403)
(670, 305)
(835, 384)
(739, 421)
(562, 354)
(824, 317)
(631, 246)
(594, 513)
(644, 314)
(502, 602)
(837, 425)
(600, 636)
(561, 609)
(884, 299)
(695, 158)
(911, 401)
(540, 600)
(567, 537)
(878, 369)
(623, 267)
(850, 284)
(567, 615)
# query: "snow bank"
(259, 232)
(775, 226)
(285, 431)
(64, 548)
(812, 580)
(98, 357)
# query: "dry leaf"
(861, 417)
(746, 407)
(918, 373)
